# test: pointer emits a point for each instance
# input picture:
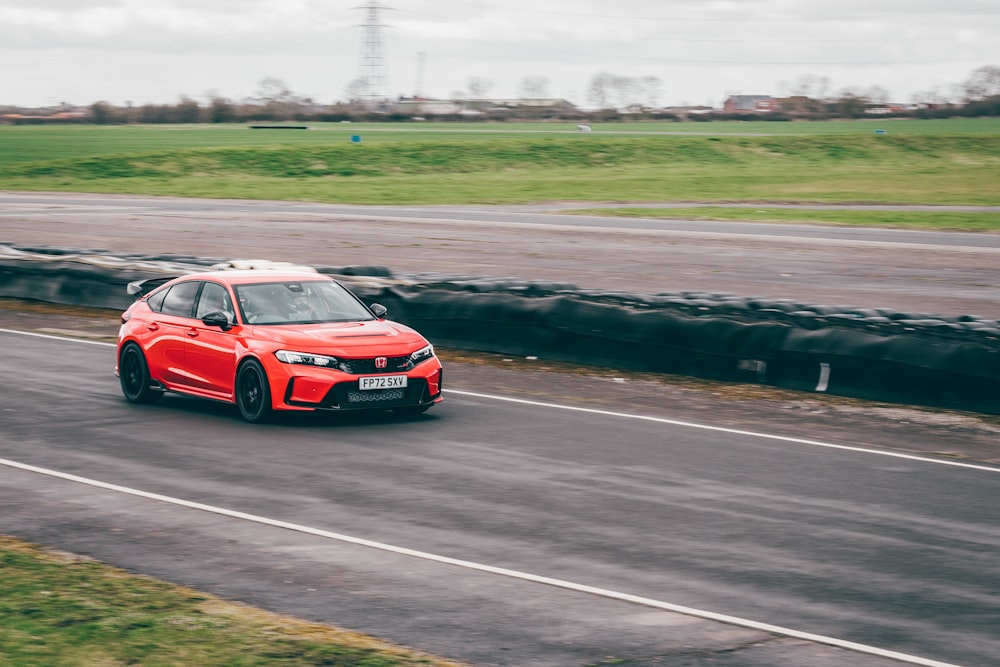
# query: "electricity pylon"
(373, 68)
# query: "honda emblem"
(381, 362)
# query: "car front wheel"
(134, 376)
(253, 395)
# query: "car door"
(166, 345)
(211, 351)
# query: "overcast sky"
(155, 51)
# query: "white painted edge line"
(513, 574)
(723, 429)
(54, 337)
(626, 415)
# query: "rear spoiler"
(140, 288)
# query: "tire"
(133, 374)
(253, 393)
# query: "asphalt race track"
(857, 544)
(896, 554)
(942, 273)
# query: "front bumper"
(306, 388)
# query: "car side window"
(214, 298)
(179, 299)
(155, 300)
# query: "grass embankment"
(57, 609)
(925, 169)
(28, 143)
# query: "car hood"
(375, 336)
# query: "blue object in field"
(880, 132)
(356, 139)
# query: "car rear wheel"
(253, 395)
(134, 376)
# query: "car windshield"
(299, 302)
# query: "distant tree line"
(613, 97)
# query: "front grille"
(346, 396)
(376, 396)
(367, 366)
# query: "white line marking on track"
(62, 338)
(626, 415)
(723, 429)
(513, 574)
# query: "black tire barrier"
(68, 283)
(907, 366)
(870, 353)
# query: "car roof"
(246, 277)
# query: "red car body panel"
(187, 355)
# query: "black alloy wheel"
(253, 395)
(133, 373)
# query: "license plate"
(382, 382)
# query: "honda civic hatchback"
(272, 341)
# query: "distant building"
(532, 102)
(46, 116)
(748, 104)
(423, 106)
(696, 110)
(887, 109)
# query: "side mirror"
(379, 310)
(217, 318)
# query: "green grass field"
(921, 162)
(58, 609)
(31, 142)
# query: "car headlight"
(307, 359)
(422, 354)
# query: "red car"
(270, 340)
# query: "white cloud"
(156, 50)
